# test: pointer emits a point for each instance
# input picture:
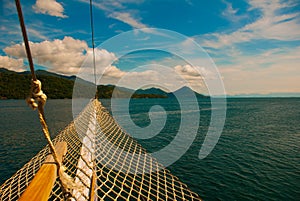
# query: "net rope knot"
(37, 96)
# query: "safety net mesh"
(105, 162)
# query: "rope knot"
(37, 97)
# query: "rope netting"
(105, 162)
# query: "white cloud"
(263, 81)
(104, 58)
(37, 34)
(103, 61)
(194, 76)
(131, 79)
(118, 10)
(12, 64)
(128, 19)
(272, 68)
(275, 70)
(231, 14)
(50, 7)
(62, 56)
(154, 75)
(114, 72)
(271, 25)
(187, 70)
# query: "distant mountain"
(107, 91)
(16, 85)
(151, 91)
(186, 92)
(155, 91)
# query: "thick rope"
(25, 38)
(38, 99)
(37, 96)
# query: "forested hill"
(14, 85)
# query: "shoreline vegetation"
(16, 85)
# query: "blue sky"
(255, 44)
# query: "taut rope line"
(25, 38)
(93, 180)
(93, 45)
(38, 99)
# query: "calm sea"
(257, 156)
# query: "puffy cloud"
(114, 72)
(193, 76)
(12, 64)
(187, 70)
(65, 56)
(62, 56)
(50, 7)
(104, 58)
(103, 62)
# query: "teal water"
(257, 156)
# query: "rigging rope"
(25, 38)
(38, 99)
(92, 182)
(93, 44)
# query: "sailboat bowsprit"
(91, 159)
(116, 167)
